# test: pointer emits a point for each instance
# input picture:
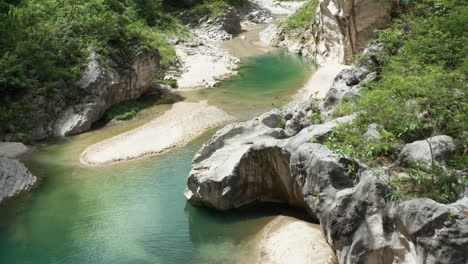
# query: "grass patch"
(303, 18)
(435, 183)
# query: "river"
(135, 212)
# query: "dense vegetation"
(44, 45)
(422, 93)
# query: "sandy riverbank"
(181, 124)
(320, 82)
(289, 240)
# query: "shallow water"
(134, 212)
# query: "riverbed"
(135, 212)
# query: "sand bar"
(182, 123)
(289, 240)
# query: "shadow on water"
(199, 216)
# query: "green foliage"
(435, 183)
(44, 45)
(171, 83)
(197, 9)
(422, 89)
(23, 138)
(350, 140)
(344, 109)
(302, 18)
(124, 111)
(315, 117)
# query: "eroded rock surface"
(260, 160)
(338, 32)
(107, 87)
(14, 178)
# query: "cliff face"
(100, 88)
(106, 88)
(338, 32)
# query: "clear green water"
(134, 212)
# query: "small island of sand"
(182, 123)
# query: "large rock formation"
(260, 160)
(107, 87)
(339, 30)
(14, 178)
(216, 28)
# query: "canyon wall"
(107, 87)
(100, 87)
(338, 32)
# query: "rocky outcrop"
(437, 149)
(218, 28)
(348, 83)
(14, 178)
(255, 152)
(338, 32)
(105, 87)
(260, 160)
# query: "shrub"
(302, 18)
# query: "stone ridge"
(272, 158)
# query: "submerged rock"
(14, 178)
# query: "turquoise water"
(135, 212)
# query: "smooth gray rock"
(345, 86)
(420, 151)
(256, 161)
(419, 215)
(13, 149)
(14, 178)
(438, 232)
(106, 88)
